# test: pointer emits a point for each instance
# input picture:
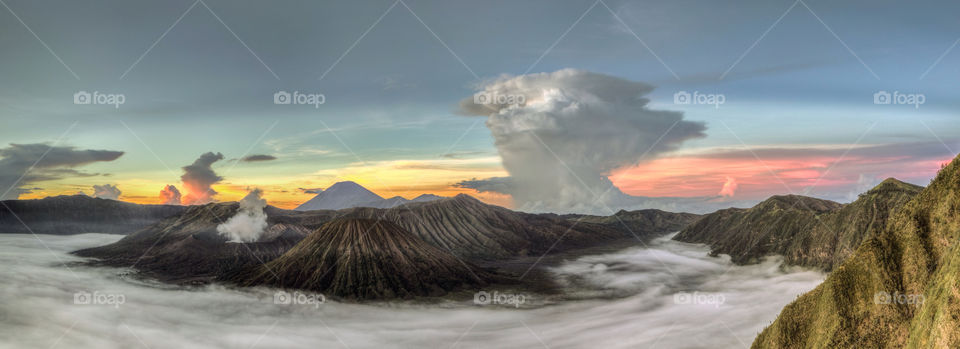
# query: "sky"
(797, 81)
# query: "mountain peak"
(426, 197)
(345, 185)
(341, 195)
(895, 184)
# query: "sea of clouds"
(670, 295)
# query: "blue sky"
(806, 76)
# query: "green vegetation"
(916, 254)
(806, 231)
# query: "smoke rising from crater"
(568, 130)
(250, 220)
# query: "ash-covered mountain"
(188, 248)
(78, 214)
(366, 259)
(806, 231)
(472, 229)
(348, 194)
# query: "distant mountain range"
(899, 289)
(78, 214)
(805, 230)
(188, 249)
(348, 194)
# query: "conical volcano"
(367, 259)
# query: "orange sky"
(691, 174)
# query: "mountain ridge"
(806, 231)
(188, 248)
(859, 305)
(78, 214)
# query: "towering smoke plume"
(170, 195)
(250, 220)
(561, 134)
(106, 191)
(198, 179)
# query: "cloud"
(462, 154)
(41, 162)
(500, 185)
(561, 134)
(311, 190)
(258, 157)
(170, 195)
(198, 179)
(829, 171)
(106, 191)
(729, 187)
(250, 220)
(633, 289)
(864, 183)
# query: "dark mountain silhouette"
(188, 248)
(806, 231)
(873, 299)
(78, 214)
(471, 229)
(366, 259)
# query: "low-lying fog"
(671, 295)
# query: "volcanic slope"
(470, 228)
(367, 259)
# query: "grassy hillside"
(806, 231)
(915, 255)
